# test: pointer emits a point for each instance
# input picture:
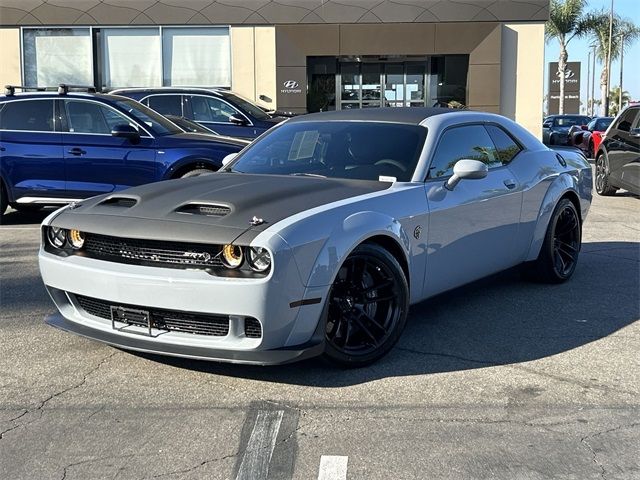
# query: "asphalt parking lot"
(501, 379)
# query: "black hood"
(154, 211)
(190, 138)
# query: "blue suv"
(69, 145)
(220, 110)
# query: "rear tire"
(559, 253)
(3, 199)
(603, 187)
(196, 172)
(366, 308)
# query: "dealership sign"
(291, 86)
(571, 88)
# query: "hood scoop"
(122, 202)
(206, 209)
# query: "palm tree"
(614, 100)
(566, 21)
(625, 32)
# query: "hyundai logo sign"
(291, 86)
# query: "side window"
(90, 117)
(166, 104)
(34, 115)
(463, 143)
(506, 147)
(209, 109)
(625, 123)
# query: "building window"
(196, 57)
(127, 57)
(57, 55)
(130, 57)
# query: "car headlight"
(232, 256)
(57, 237)
(259, 259)
(76, 239)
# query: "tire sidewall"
(547, 254)
(337, 357)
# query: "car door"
(31, 158)
(97, 162)
(472, 228)
(216, 114)
(623, 150)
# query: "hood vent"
(123, 202)
(208, 210)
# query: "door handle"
(510, 183)
(77, 151)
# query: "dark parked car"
(221, 110)
(60, 147)
(588, 138)
(555, 128)
(618, 158)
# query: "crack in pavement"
(66, 468)
(493, 363)
(40, 407)
(585, 441)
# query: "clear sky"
(579, 50)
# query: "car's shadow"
(15, 218)
(499, 320)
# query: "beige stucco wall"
(10, 69)
(253, 56)
(522, 78)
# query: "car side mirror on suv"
(635, 132)
(238, 120)
(126, 131)
(546, 125)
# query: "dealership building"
(290, 55)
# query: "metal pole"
(593, 81)
(588, 78)
(608, 83)
(621, 62)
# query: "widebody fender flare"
(564, 184)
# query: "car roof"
(408, 115)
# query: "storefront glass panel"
(57, 55)
(131, 57)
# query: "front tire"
(196, 172)
(559, 253)
(366, 309)
(603, 187)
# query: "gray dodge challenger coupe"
(317, 237)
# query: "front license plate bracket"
(131, 317)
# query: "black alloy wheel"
(559, 253)
(367, 307)
(603, 187)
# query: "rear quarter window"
(28, 115)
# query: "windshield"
(337, 149)
(158, 124)
(571, 121)
(602, 124)
(251, 108)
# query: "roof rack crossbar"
(64, 88)
(11, 89)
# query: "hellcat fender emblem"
(417, 232)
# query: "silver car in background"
(316, 238)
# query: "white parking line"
(333, 467)
(255, 462)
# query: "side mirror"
(126, 131)
(468, 170)
(228, 158)
(546, 125)
(238, 120)
(635, 132)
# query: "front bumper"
(141, 344)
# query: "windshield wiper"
(300, 174)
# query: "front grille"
(252, 328)
(172, 320)
(152, 252)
